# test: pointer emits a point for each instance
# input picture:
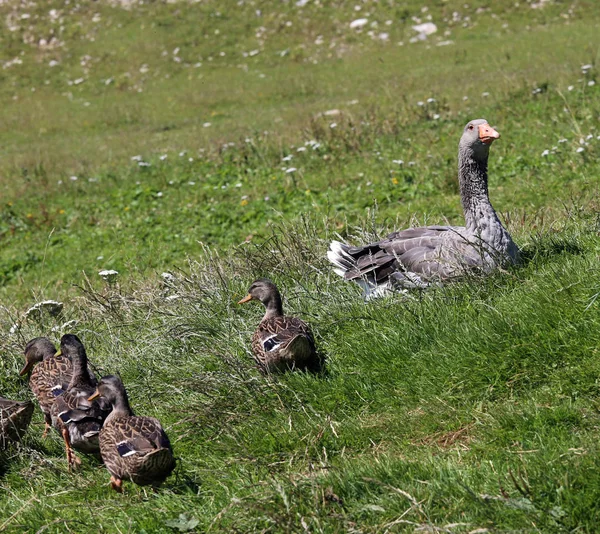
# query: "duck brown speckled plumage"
(76, 418)
(50, 374)
(280, 342)
(14, 420)
(132, 447)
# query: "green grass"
(473, 406)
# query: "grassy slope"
(478, 413)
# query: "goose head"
(477, 137)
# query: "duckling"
(14, 420)
(78, 420)
(50, 374)
(133, 448)
(280, 342)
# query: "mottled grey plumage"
(417, 257)
(133, 448)
(76, 418)
(50, 374)
(280, 342)
(14, 420)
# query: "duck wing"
(50, 379)
(14, 419)
(282, 343)
(137, 448)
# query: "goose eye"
(470, 126)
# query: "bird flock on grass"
(94, 416)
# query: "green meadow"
(195, 146)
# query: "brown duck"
(14, 420)
(132, 447)
(76, 418)
(280, 342)
(50, 374)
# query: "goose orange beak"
(487, 134)
(26, 369)
(94, 396)
(247, 298)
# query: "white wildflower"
(545, 153)
(358, 23)
(290, 170)
(424, 30)
(51, 307)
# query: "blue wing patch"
(65, 417)
(125, 449)
(57, 391)
(271, 343)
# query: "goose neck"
(473, 182)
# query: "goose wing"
(410, 257)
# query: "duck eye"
(470, 126)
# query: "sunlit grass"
(468, 407)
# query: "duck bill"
(58, 353)
(94, 396)
(247, 298)
(26, 369)
(487, 134)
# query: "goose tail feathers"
(339, 257)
